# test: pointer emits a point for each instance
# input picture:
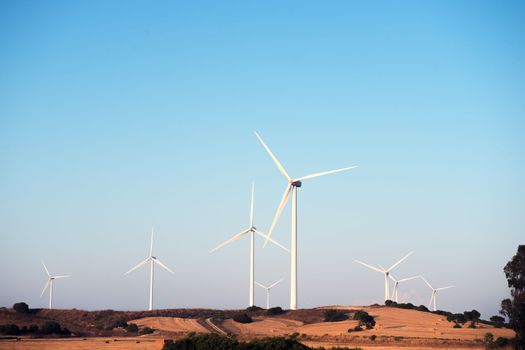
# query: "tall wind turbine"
(49, 284)
(152, 260)
(251, 230)
(434, 292)
(268, 291)
(291, 187)
(384, 271)
(394, 295)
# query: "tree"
(242, 318)
(51, 327)
(21, 308)
(497, 321)
(334, 316)
(132, 328)
(514, 308)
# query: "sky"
(116, 116)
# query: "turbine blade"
(408, 279)
(369, 266)
(279, 211)
(157, 261)
(151, 244)
(47, 271)
(392, 278)
(399, 262)
(45, 287)
(272, 240)
(443, 288)
(311, 176)
(428, 284)
(251, 205)
(142, 263)
(381, 267)
(260, 285)
(234, 238)
(276, 283)
(275, 160)
(63, 276)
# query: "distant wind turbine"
(384, 271)
(291, 187)
(394, 295)
(268, 291)
(152, 260)
(49, 284)
(251, 230)
(434, 292)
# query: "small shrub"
(132, 328)
(457, 325)
(21, 308)
(242, 318)
(335, 316)
(373, 337)
(398, 338)
(120, 323)
(253, 308)
(146, 330)
(472, 325)
(488, 338)
(275, 311)
(501, 342)
(51, 327)
(358, 329)
(33, 328)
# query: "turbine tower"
(49, 284)
(268, 291)
(152, 260)
(434, 292)
(394, 295)
(252, 230)
(384, 271)
(291, 187)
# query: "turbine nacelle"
(295, 183)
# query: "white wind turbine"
(49, 284)
(434, 292)
(395, 291)
(268, 291)
(152, 260)
(251, 230)
(384, 271)
(291, 187)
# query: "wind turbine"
(394, 295)
(384, 271)
(268, 291)
(434, 292)
(49, 284)
(251, 230)
(291, 187)
(152, 260)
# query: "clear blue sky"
(118, 115)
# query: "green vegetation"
(514, 307)
(364, 319)
(335, 316)
(373, 337)
(132, 328)
(217, 342)
(253, 308)
(21, 308)
(147, 330)
(497, 321)
(275, 311)
(355, 329)
(242, 318)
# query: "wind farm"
(336, 175)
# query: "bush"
(364, 319)
(488, 338)
(501, 342)
(242, 318)
(373, 337)
(497, 321)
(389, 302)
(335, 316)
(217, 342)
(457, 325)
(120, 323)
(472, 325)
(147, 330)
(132, 328)
(21, 308)
(51, 327)
(33, 328)
(253, 308)
(9, 329)
(275, 311)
